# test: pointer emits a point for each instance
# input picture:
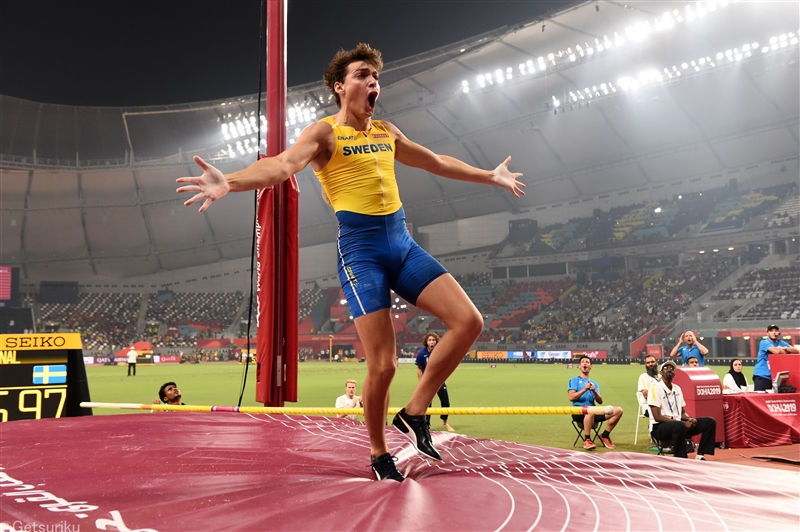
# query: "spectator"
(132, 361)
(168, 394)
(734, 381)
(583, 391)
(646, 381)
(692, 362)
(428, 343)
(349, 400)
(762, 378)
(669, 422)
(693, 348)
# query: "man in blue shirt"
(762, 377)
(583, 391)
(692, 348)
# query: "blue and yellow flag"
(50, 374)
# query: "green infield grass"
(472, 384)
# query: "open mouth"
(372, 98)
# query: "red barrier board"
(169, 359)
(761, 419)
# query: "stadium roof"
(597, 98)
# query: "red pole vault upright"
(278, 240)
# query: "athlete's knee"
(383, 368)
(471, 323)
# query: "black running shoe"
(384, 468)
(418, 431)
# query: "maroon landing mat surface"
(212, 471)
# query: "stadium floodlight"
(499, 75)
(481, 81)
(572, 57)
(465, 86)
(509, 73)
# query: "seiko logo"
(35, 341)
(709, 390)
(782, 407)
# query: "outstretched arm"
(412, 154)
(213, 184)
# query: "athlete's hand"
(210, 186)
(508, 180)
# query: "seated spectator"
(693, 348)
(692, 362)
(734, 381)
(583, 391)
(669, 422)
(349, 400)
(646, 381)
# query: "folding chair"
(665, 449)
(662, 449)
(577, 424)
(642, 413)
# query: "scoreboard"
(41, 376)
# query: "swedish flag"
(50, 374)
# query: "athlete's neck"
(345, 118)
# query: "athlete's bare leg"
(376, 333)
(446, 300)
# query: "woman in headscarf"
(735, 381)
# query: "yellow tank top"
(359, 177)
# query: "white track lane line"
(510, 496)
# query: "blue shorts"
(377, 254)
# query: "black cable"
(261, 61)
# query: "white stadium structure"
(600, 105)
